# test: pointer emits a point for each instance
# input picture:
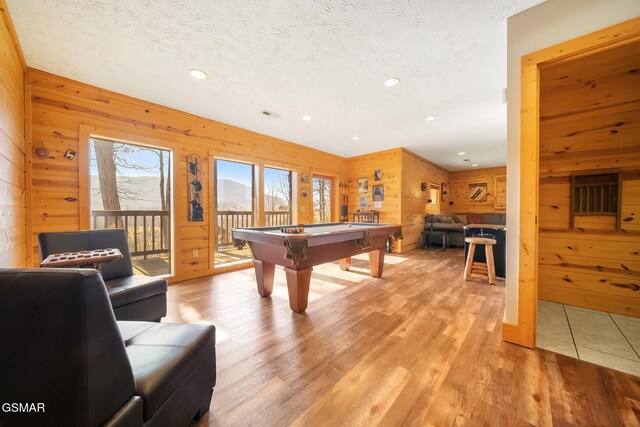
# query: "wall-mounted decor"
(444, 190)
(363, 185)
(377, 175)
(363, 202)
(304, 194)
(478, 192)
(423, 186)
(304, 178)
(378, 193)
(194, 182)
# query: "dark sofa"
(454, 224)
(133, 297)
(62, 348)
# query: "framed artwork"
(378, 193)
(194, 179)
(377, 175)
(478, 192)
(444, 190)
(363, 185)
(304, 178)
(363, 202)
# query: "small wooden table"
(82, 259)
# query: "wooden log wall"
(590, 120)
(64, 111)
(415, 171)
(496, 201)
(12, 147)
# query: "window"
(131, 189)
(277, 197)
(321, 199)
(234, 207)
(434, 194)
(596, 194)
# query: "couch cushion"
(462, 219)
(130, 289)
(474, 218)
(491, 218)
(163, 355)
(446, 219)
(440, 226)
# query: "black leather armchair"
(133, 297)
(62, 348)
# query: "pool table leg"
(345, 263)
(264, 276)
(298, 286)
(376, 260)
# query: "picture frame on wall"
(377, 193)
(363, 185)
(478, 192)
(377, 175)
(444, 190)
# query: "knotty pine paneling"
(415, 171)
(459, 191)
(590, 120)
(12, 147)
(390, 162)
(61, 107)
(404, 202)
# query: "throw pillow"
(446, 219)
(462, 219)
(474, 218)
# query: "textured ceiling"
(327, 59)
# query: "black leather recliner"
(62, 348)
(133, 297)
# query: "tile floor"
(606, 339)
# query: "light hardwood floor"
(418, 347)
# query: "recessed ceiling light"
(462, 153)
(306, 117)
(430, 118)
(198, 74)
(356, 138)
(475, 164)
(392, 81)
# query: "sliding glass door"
(277, 197)
(322, 190)
(234, 207)
(131, 189)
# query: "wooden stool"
(480, 270)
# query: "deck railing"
(275, 218)
(148, 231)
(228, 220)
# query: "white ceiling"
(328, 59)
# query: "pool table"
(317, 244)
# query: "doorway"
(235, 207)
(130, 188)
(322, 189)
(535, 236)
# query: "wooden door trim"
(524, 332)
